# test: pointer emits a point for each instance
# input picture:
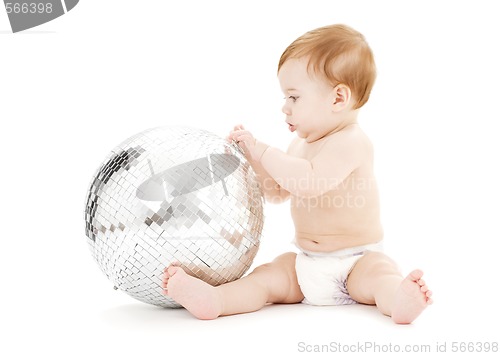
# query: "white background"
(72, 89)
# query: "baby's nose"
(286, 110)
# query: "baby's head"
(337, 54)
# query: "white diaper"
(322, 276)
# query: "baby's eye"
(294, 98)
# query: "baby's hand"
(245, 139)
(230, 137)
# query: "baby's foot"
(411, 299)
(198, 297)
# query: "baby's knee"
(281, 269)
(378, 257)
(377, 263)
(280, 279)
(262, 268)
(287, 259)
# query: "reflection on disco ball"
(173, 194)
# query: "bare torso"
(346, 216)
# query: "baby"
(327, 173)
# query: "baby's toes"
(164, 279)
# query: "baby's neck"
(346, 120)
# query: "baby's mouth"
(291, 127)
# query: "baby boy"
(327, 173)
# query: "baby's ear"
(341, 97)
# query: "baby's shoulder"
(350, 145)
(352, 138)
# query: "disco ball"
(173, 194)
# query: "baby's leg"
(375, 279)
(274, 282)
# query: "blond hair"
(341, 55)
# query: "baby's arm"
(270, 188)
(337, 159)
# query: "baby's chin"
(300, 133)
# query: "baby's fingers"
(231, 135)
(241, 135)
(235, 129)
